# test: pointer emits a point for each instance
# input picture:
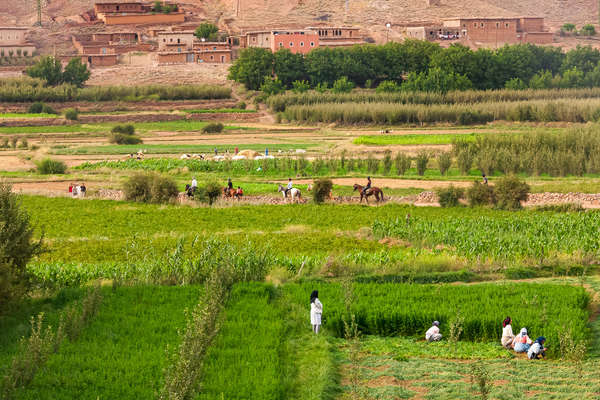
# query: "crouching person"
(537, 349)
(522, 342)
(433, 334)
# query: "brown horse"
(372, 191)
(231, 193)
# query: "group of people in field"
(520, 343)
(77, 189)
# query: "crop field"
(142, 291)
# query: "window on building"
(497, 24)
(178, 40)
(301, 44)
(280, 44)
(179, 49)
(171, 39)
(312, 44)
(482, 24)
(474, 24)
(507, 24)
(254, 39)
(212, 58)
(214, 47)
(291, 44)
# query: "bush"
(387, 87)
(50, 166)
(46, 109)
(422, 161)
(401, 163)
(213, 127)
(481, 195)
(213, 191)
(138, 188)
(448, 197)
(163, 189)
(126, 129)
(444, 161)
(271, 86)
(321, 87)
(71, 114)
(300, 86)
(510, 192)
(36, 108)
(387, 162)
(16, 247)
(150, 188)
(568, 27)
(121, 138)
(241, 105)
(321, 190)
(588, 30)
(342, 85)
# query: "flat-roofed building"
(13, 42)
(297, 41)
(337, 36)
(501, 30)
(168, 39)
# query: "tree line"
(421, 65)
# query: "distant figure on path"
(82, 190)
(229, 184)
(194, 184)
(316, 309)
(289, 186)
(236, 151)
(485, 179)
(433, 334)
(266, 152)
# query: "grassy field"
(396, 140)
(178, 148)
(28, 115)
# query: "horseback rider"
(366, 188)
(289, 186)
(239, 192)
(229, 184)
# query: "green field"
(406, 140)
(179, 148)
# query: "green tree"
(541, 80)
(322, 66)
(387, 87)
(342, 85)
(436, 80)
(76, 73)
(206, 31)
(457, 58)
(17, 247)
(251, 68)
(568, 27)
(272, 86)
(288, 67)
(515, 84)
(516, 61)
(585, 58)
(47, 68)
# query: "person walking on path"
(316, 309)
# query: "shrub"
(71, 114)
(342, 85)
(448, 197)
(568, 27)
(422, 161)
(588, 30)
(321, 190)
(13, 141)
(16, 247)
(401, 163)
(241, 105)
(444, 161)
(138, 188)
(50, 166)
(515, 84)
(387, 87)
(46, 109)
(24, 144)
(510, 192)
(121, 138)
(150, 188)
(271, 86)
(36, 108)
(163, 189)
(480, 194)
(126, 129)
(213, 191)
(300, 86)
(213, 127)
(321, 87)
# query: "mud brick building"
(102, 49)
(297, 41)
(337, 36)
(500, 30)
(117, 13)
(180, 46)
(13, 42)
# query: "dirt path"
(391, 183)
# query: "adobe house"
(116, 13)
(193, 56)
(499, 31)
(337, 36)
(94, 60)
(211, 46)
(297, 41)
(167, 40)
(13, 42)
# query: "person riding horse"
(229, 184)
(289, 186)
(366, 188)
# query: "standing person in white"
(194, 184)
(316, 309)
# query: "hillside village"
(162, 33)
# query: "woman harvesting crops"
(507, 333)
(522, 342)
(316, 309)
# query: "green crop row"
(121, 354)
(282, 101)
(405, 309)
(509, 237)
(385, 140)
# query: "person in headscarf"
(507, 333)
(522, 342)
(433, 334)
(537, 349)
(316, 309)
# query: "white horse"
(295, 193)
